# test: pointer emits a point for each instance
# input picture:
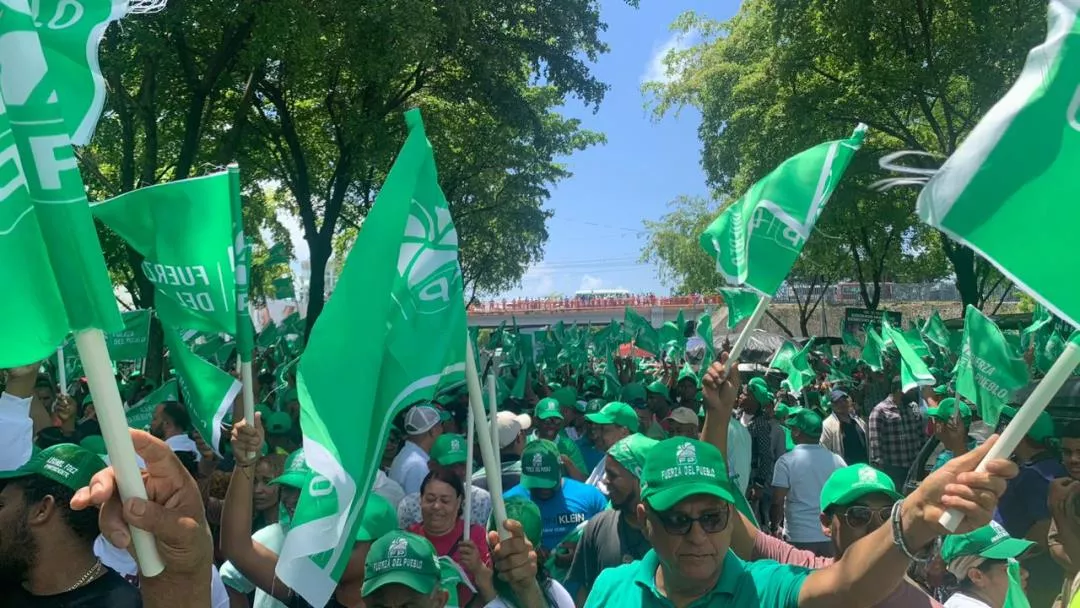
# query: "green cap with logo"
(565, 396)
(634, 394)
(296, 471)
(401, 558)
(851, 483)
(991, 541)
(548, 408)
(757, 388)
(658, 388)
(94, 443)
(1041, 431)
(67, 464)
(679, 468)
(617, 413)
(449, 449)
(541, 467)
(945, 410)
(805, 421)
(278, 423)
(527, 513)
(379, 518)
(632, 452)
(593, 406)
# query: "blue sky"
(596, 234)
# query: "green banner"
(131, 343)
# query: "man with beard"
(614, 421)
(613, 537)
(171, 424)
(46, 548)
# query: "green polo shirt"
(742, 584)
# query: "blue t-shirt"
(592, 455)
(575, 503)
(1024, 500)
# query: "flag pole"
(1025, 418)
(470, 435)
(487, 452)
(751, 325)
(242, 256)
(61, 370)
(110, 414)
(493, 422)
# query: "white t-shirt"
(552, 589)
(16, 432)
(959, 600)
(387, 488)
(183, 443)
(410, 467)
(123, 564)
(272, 537)
(596, 478)
(738, 455)
(803, 471)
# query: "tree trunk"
(321, 247)
(963, 262)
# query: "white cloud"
(538, 281)
(589, 283)
(655, 69)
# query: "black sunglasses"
(679, 524)
(859, 516)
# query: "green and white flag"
(140, 414)
(740, 305)
(395, 326)
(988, 372)
(277, 255)
(645, 336)
(935, 331)
(871, 351)
(1008, 191)
(130, 343)
(283, 288)
(913, 370)
(208, 391)
(756, 240)
(55, 272)
(184, 230)
(795, 363)
(704, 331)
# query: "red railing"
(526, 305)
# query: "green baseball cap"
(632, 452)
(658, 388)
(946, 409)
(593, 406)
(941, 389)
(1043, 428)
(634, 394)
(617, 413)
(679, 468)
(548, 408)
(991, 541)
(66, 463)
(782, 409)
(565, 396)
(94, 443)
(805, 421)
(759, 390)
(265, 410)
(541, 467)
(277, 423)
(687, 373)
(525, 512)
(296, 471)
(449, 449)
(401, 558)
(444, 414)
(379, 518)
(849, 484)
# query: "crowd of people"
(684, 488)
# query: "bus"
(602, 294)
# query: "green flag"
(268, 336)
(1008, 190)
(1039, 330)
(988, 372)
(871, 352)
(850, 339)
(704, 331)
(795, 362)
(1015, 597)
(757, 239)
(645, 336)
(245, 331)
(140, 414)
(740, 304)
(293, 324)
(283, 288)
(914, 339)
(55, 273)
(184, 230)
(395, 326)
(130, 343)
(1049, 351)
(208, 391)
(935, 331)
(913, 370)
(277, 255)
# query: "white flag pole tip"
(487, 450)
(751, 325)
(1025, 418)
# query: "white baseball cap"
(421, 419)
(510, 426)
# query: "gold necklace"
(85, 578)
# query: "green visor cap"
(632, 452)
(805, 421)
(634, 394)
(379, 518)
(619, 414)
(759, 390)
(541, 465)
(449, 449)
(1042, 430)
(849, 484)
(658, 388)
(67, 464)
(296, 471)
(679, 468)
(990, 541)
(548, 408)
(565, 396)
(401, 558)
(945, 410)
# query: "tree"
(784, 75)
(672, 246)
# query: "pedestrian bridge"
(535, 313)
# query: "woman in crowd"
(442, 495)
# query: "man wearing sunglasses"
(688, 515)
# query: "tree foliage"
(672, 246)
(783, 75)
